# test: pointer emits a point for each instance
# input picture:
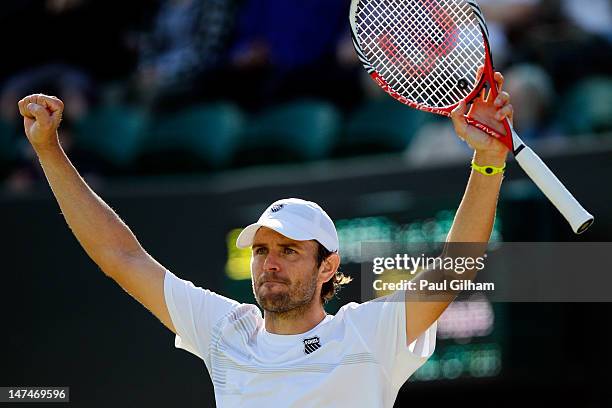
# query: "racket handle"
(544, 178)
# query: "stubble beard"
(290, 302)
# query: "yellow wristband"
(488, 170)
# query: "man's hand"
(490, 112)
(42, 115)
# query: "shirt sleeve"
(194, 312)
(382, 326)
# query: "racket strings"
(426, 50)
(427, 54)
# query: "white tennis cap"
(296, 219)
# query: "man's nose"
(271, 262)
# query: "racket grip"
(579, 218)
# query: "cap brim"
(246, 237)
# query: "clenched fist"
(42, 115)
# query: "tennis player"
(295, 355)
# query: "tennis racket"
(427, 54)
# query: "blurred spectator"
(436, 144)
(289, 34)
(71, 32)
(505, 17)
(59, 47)
(188, 38)
(291, 49)
(532, 96)
(75, 88)
(565, 45)
(592, 16)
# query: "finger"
(458, 113)
(23, 104)
(479, 72)
(50, 102)
(484, 94)
(505, 112)
(56, 106)
(499, 79)
(56, 116)
(458, 118)
(502, 99)
(23, 107)
(40, 114)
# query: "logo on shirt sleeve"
(311, 344)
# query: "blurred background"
(190, 116)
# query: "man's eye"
(260, 251)
(289, 251)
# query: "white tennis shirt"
(357, 358)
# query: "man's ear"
(329, 267)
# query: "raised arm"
(476, 214)
(99, 230)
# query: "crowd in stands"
(174, 86)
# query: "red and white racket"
(427, 55)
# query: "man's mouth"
(272, 282)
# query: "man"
(296, 355)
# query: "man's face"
(284, 271)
